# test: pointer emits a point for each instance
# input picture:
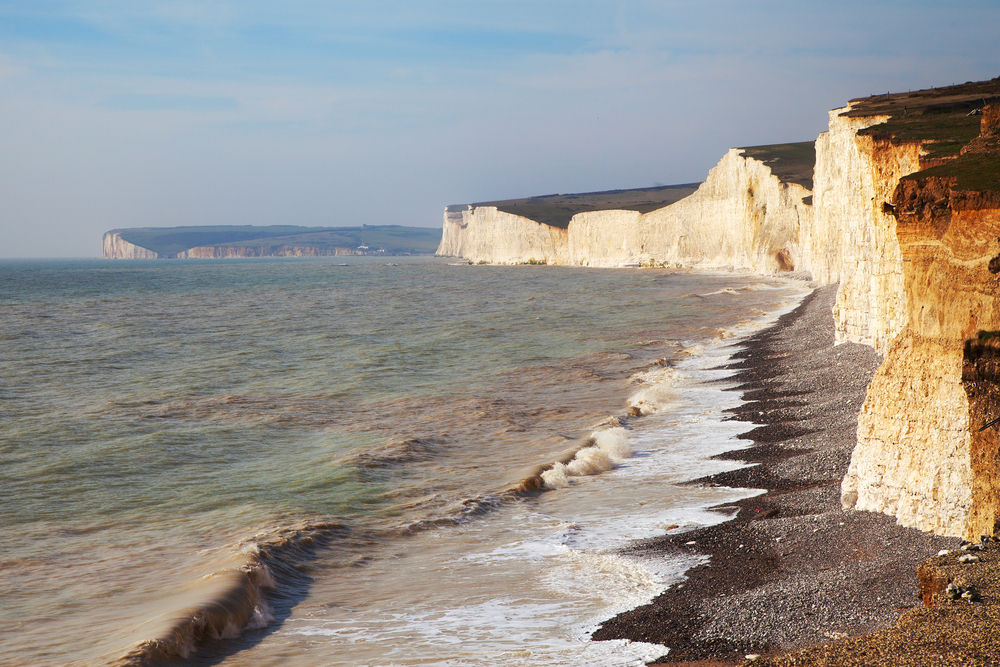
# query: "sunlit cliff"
(904, 213)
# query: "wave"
(396, 453)
(233, 599)
(725, 290)
(608, 449)
(657, 391)
(462, 511)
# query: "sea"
(355, 461)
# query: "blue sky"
(141, 113)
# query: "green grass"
(939, 116)
(791, 163)
(948, 132)
(168, 241)
(976, 172)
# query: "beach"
(792, 569)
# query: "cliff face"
(485, 234)
(742, 216)
(853, 239)
(920, 454)
(115, 247)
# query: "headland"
(227, 241)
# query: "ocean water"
(353, 461)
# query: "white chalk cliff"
(115, 247)
(742, 216)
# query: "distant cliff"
(228, 241)
(115, 247)
(742, 216)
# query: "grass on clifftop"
(557, 210)
(167, 241)
(936, 115)
(791, 163)
(975, 172)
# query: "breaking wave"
(462, 511)
(233, 599)
(609, 448)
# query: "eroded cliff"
(487, 234)
(742, 216)
(921, 455)
(853, 240)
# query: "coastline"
(792, 569)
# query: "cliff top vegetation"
(949, 122)
(167, 241)
(791, 163)
(940, 117)
(557, 210)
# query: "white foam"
(610, 448)
(588, 461)
(663, 376)
(614, 443)
(263, 615)
(652, 399)
(556, 477)
(658, 391)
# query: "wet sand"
(792, 569)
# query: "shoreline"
(792, 569)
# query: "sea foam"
(610, 447)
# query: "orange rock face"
(921, 455)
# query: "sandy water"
(315, 462)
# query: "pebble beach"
(792, 577)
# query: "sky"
(138, 113)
